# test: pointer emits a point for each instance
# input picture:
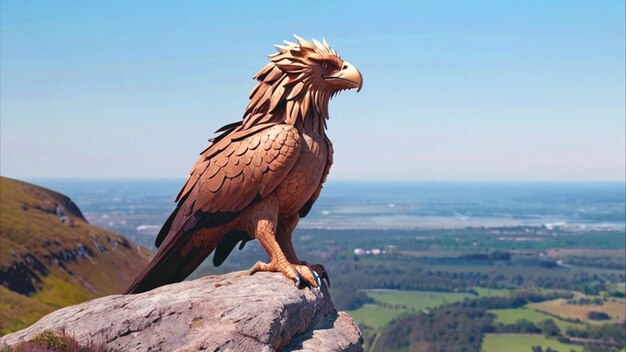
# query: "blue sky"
(453, 90)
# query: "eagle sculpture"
(260, 175)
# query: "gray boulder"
(232, 312)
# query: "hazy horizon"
(455, 91)
(131, 207)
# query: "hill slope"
(51, 257)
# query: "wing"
(329, 162)
(233, 173)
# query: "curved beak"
(349, 77)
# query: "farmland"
(389, 304)
(522, 343)
(614, 308)
(397, 288)
(511, 316)
(415, 300)
(375, 316)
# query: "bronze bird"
(260, 175)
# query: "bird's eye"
(324, 65)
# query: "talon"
(319, 270)
(308, 276)
(258, 266)
(317, 279)
(297, 280)
(326, 278)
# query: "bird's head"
(297, 84)
(317, 65)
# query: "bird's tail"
(178, 255)
(173, 262)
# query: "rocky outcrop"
(233, 312)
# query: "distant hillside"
(51, 257)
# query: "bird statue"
(259, 176)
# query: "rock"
(232, 312)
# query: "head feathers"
(290, 90)
(292, 56)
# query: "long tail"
(174, 261)
(178, 255)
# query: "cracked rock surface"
(232, 312)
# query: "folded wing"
(233, 173)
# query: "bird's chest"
(306, 175)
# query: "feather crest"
(285, 93)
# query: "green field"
(522, 343)
(511, 316)
(416, 300)
(375, 316)
(388, 305)
(490, 292)
(391, 304)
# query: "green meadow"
(375, 316)
(522, 343)
(511, 316)
(490, 292)
(416, 300)
(389, 304)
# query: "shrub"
(593, 315)
(51, 341)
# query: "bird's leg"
(283, 236)
(312, 274)
(265, 232)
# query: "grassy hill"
(51, 257)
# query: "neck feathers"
(279, 98)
